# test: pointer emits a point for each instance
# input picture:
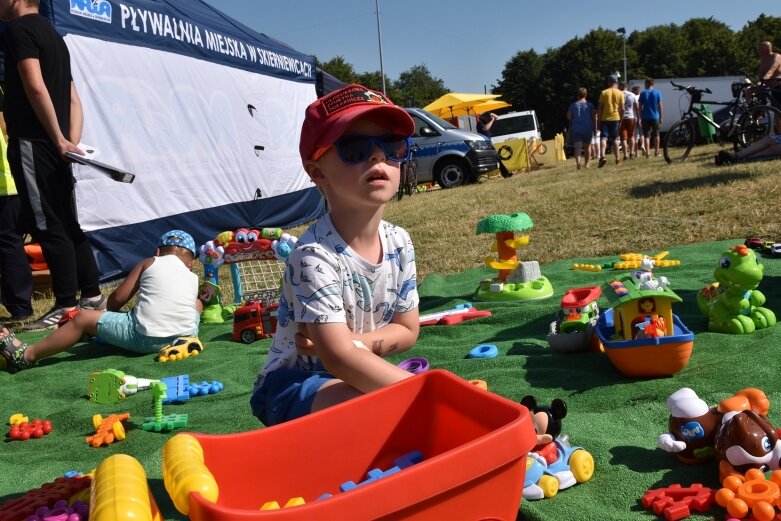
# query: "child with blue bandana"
(167, 307)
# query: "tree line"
(547, 81)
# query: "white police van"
(448, 155)
(516, 125)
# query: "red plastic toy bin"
(473, 442)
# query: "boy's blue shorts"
(286, 394)
(119, 329)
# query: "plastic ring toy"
(484, 351)
(414, 365)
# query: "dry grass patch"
(644, 205)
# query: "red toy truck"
(255, 320)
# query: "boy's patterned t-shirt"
(326, 281)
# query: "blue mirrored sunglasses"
(356, 148)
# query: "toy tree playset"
(516, 280)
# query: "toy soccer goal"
(257, 280)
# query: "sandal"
(13, 355)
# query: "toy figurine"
(732, 303)
(553, 464)
(736, 432)
(213, 310)
(644, 277)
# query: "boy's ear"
(157, 252)
(313, 170)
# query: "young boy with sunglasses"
(349, 295)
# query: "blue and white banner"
(205, 112)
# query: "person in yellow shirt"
(609, 112)
(16, 279)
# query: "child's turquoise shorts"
(119, 329)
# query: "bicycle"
(408, 175)
(747, 123)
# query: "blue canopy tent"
(204, 110)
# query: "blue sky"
(465, 44)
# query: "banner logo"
(99, 10)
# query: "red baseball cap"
(329, 117)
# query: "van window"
(513, 125)
(420, 123)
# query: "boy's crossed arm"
(363, 369)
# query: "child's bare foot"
(12, 351)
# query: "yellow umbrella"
(445, 105)
(488, 106)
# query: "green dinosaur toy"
(732, 304)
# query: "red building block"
(676, 502)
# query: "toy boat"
(640, 334)
(573, 329)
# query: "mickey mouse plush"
(547, 425)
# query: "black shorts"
(650, 127)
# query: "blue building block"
(409, 459)
(204, 388)
(324, 496)
(176, 389)
(402, 462)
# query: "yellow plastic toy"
(120, 492)
(184, 471)
(630, 261)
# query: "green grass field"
(694, 210)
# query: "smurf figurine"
(553, 464)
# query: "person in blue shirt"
(582, 117)
(651, 113)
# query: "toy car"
(775, 249)
(543, 480)
(755, 243)
(182, 347)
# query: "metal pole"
(625, 78)
(379, 40)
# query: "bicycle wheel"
(754, 124)
(678, 141)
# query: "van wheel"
(451, 173)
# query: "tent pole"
(379, 40)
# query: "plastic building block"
(108, 430)
(120, 491)
(677, 502)
(47, 494)
(204, 388)
(484, 351)
(78, 511)
(292, 502)
(158, 422)
(752, 494)
(25, 430)
(458, 314)
(415, 365)
(103, 386)
(176, 389)
(482, 384)
(17, 418)
(402, 462)
(179, 389)
(168, 422)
